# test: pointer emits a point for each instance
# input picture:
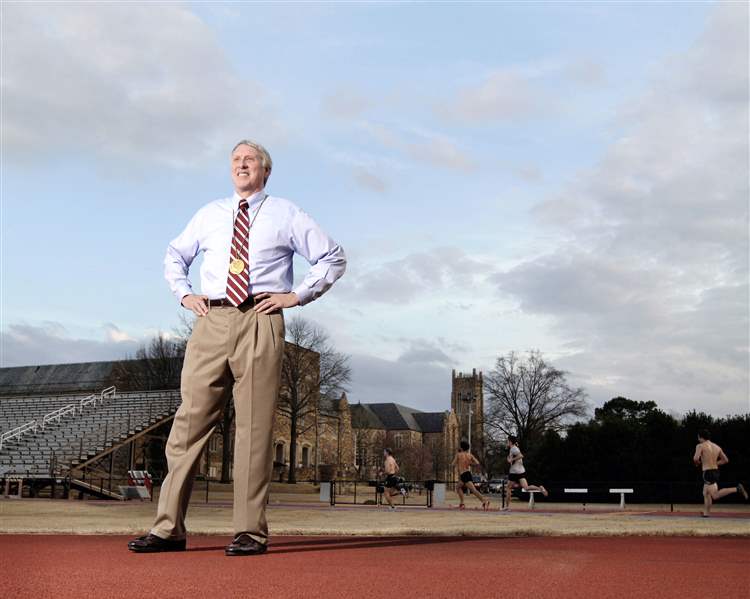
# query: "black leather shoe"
(152, 544)
(244, 544)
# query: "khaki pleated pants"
(232, 351)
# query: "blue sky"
(568, 177)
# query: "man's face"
(248, 174)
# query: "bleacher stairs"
(52, 436)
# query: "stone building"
(467, 401)
(335, 439)
(422, 442)
(325, 447)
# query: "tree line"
(626, 440)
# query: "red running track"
(373, 567)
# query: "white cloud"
(427, 353)
(514, 93)
(504, 95)
(370, 180)
(420, 145)
(116, 334)
(649, 284)
(137, 81)
(415, 275)
(50, 343)
(529, 173)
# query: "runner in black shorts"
(392, 483)
(463, 462)
(517, 475)
(711, 477)
(709, 456)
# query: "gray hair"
(265, 157)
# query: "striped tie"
(239, 277)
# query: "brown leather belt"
(225, 303)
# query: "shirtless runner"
(709, 456)
(391, 486)
(517, 471)
(463, 462)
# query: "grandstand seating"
(95, 425)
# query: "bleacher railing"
(62, 454)
(87, 401)
(56, 415)
(95, 398)
(17, 432)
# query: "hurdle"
(622, 493)
(579, 491)
(532, 503)
(139, 485)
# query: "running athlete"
(709, 456)
(517, 472)
(392, 483)
(463, 462)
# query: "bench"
(622, 493)
(580, 491)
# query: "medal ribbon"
(238, 281)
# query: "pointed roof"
(395, 417)
(430, 422)
(364, 417)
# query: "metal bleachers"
(45, 435)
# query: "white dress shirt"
(279, 230)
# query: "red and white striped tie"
(238, 280)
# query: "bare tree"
(527, 397)
(184, 330)
(415, 462)
(311, 368)
(156, 365)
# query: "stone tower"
(467, 392)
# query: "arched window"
(305, 456)
(279, 453)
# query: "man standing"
(463, 462)
(248, 241)
(517, 471)
(710, 456)
(391, 486)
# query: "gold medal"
(236, 266)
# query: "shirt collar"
(252, 201)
